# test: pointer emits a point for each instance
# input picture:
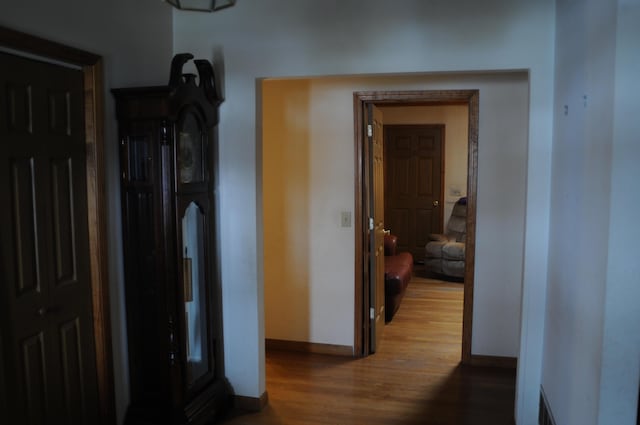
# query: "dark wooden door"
(45, 294)
(413, 158)
(376, 143)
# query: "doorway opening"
(364, 326)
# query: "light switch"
(345, 218)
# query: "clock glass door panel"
(195, 294)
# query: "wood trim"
(3, 385)
(251, 404)
(414, 98)
(493, 361)
(360, 327)
(443, 155)
(23, 42)
(94, 124)
(309, 347)
(470, 241)
(91, 65)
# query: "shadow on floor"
(469, 396)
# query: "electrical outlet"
(345, 218)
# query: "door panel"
(377, 233)
(45, 292)
(25, 239)
(34, 378)
(398, 220)
(74, 400)
(60, 112)
(413, 158)
(19, 108)
(425, 178)
(63, 221)
(424, 218)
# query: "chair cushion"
(434, 249)
(453, 251)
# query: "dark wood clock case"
(167, 137)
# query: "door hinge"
(369, 130)
(371, 223)
(372, 313)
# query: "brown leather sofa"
(398, 268)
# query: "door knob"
(436, 203)
(45, 311)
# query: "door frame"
(91, 65)
(362, 157)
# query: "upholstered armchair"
(445, 254)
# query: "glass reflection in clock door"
(190, 149)
(195, 296)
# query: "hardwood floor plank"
(415, 379)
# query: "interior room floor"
(415, 378)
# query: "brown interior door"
(47, 330)
(377, 227)
(413, 160)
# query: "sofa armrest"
(390, 244)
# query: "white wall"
(590, 368)
(134, 39)
(455, 118)
(281, 38)
(308, 179)
(620, 372)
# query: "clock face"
(190, 150)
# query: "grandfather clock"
(167, 137)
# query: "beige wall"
(286, 190)
(455, 119)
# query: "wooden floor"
(415, 378)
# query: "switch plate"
(345, 219)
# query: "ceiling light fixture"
(201, 5)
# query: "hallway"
(414, 379)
